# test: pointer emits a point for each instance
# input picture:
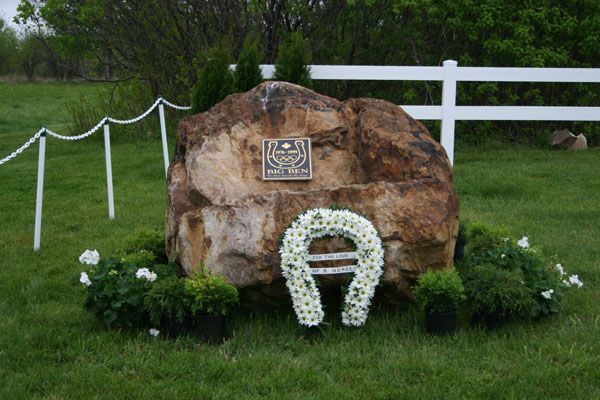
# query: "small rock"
(580, 143)
(562, 139)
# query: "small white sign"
(333, 270)
(332, 256)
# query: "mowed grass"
(50, 348)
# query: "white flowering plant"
(116, 287)
(89, 257)
(325, 222)
(545, 279)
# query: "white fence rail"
(448, 112)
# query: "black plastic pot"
(459, 251)
(211, 328)
(176, 328)
(440, 323)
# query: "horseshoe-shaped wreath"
(321, 222)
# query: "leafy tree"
(30, 56)
(156, 42)
(292, 61)
(8, 49)
(247, 72)
(215, 81)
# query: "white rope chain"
(136, 119)
(78, 137)
(175, 106)
(93, 130)
(22, 148)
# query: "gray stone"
(580, 143)
(562, 139)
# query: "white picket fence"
(448, 112)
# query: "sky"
(8, 9)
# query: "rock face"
(368, 155)
(580, 143)
(562, 139)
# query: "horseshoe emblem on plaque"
(285, 155)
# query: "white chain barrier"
(22, 148)
(78, 137)
(84, 135)
(175, 106)
(136, 119)
(41, 135)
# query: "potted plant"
(440, 294)
(497, 295)
(211, 299)
(167, 306)
(461, 241)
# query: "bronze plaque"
(286, 159)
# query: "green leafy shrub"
(140, 259)
(496, 292)
(116, 293)
(247, 71)
(293, 57)
(439, 292)
(211, 295)
(215, 81)
(482, 238)
(150, 240)
(166, 270)
(167, 298)
(538, 274)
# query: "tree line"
(164, 44)
(24, 56)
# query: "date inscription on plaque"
(286, 159)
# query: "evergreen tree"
(215, 81)
(247, 72)
(293, 57)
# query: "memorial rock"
(368, 155)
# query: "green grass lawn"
(50, 348)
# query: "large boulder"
(368, 155)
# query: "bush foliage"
(140, 259)
(215, 80)
(148, 240)
(247, 71)
(211, 295)
(439, 291)
(167, 298)
(115, 295)
(292, 61)
(490, 256)
(496, 292)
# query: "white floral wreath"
(321, 222)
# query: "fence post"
(448, 108)
(163, 134)
(40, 192)
(109, 179)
